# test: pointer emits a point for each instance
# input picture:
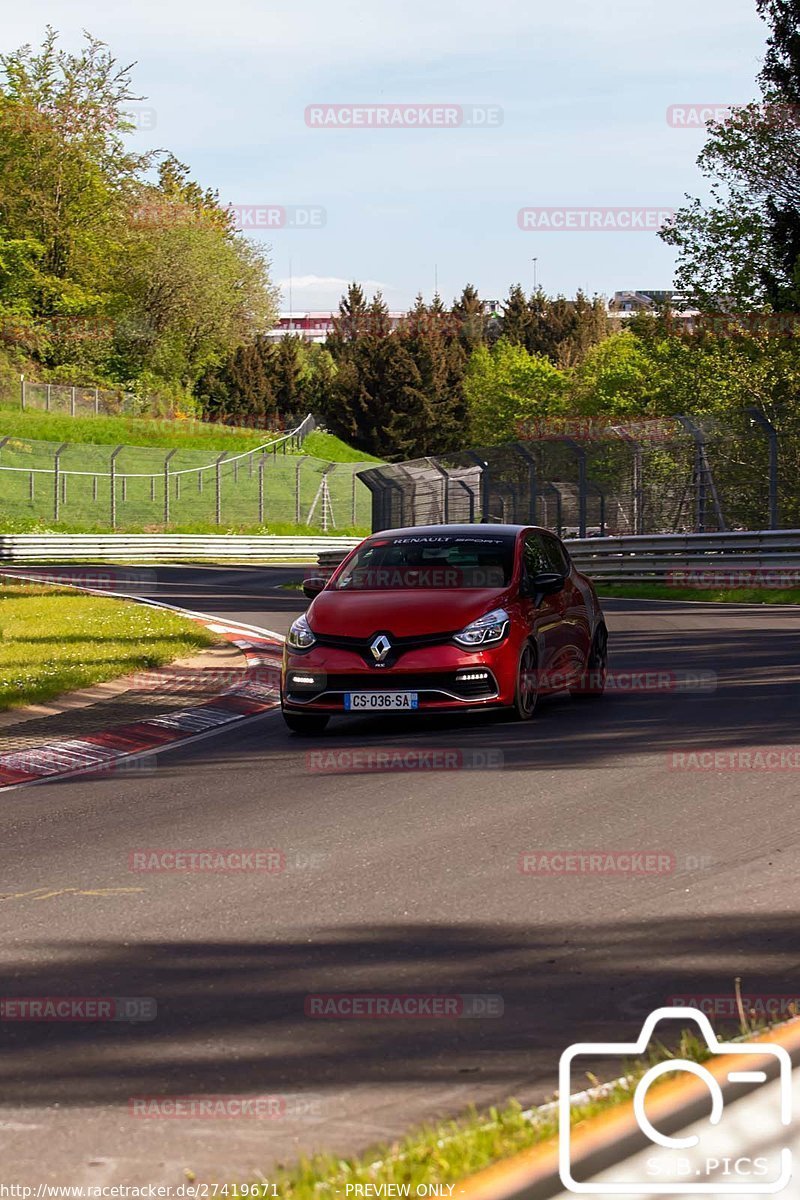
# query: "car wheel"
(527, 690)
(305, 724)
(593, 681)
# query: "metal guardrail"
(677, 557)
(171, 547)
(658, 557)
(654, 557)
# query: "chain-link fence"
(78, 401)
(592, 479)
(130, 487)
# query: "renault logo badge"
(380, 647)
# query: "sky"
(551, 106)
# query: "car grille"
(423, 682)
(400, 645)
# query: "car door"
(547, 621)
(576, 630)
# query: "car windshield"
(430, 561)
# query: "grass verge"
(327, 445)
(646, 591)
(12, 525)
(187, 433)
(54, 640)
(450, 1151)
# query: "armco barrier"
(625, 559)
(656, 557)
(170, 547)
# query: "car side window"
(557, 554)
(535, 556)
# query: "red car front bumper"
(444, 677)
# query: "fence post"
(56, 477)
(22, 390)
(703, 477)
(485, 483)
(171, 455)
(523, 450)
(758, 418)
(32, 488)
(445, 476)
(261, 464)
(94, 488)
(72, 402)
(113, 480)
(297, 491)
(462, 483)
(353, 498)
(580, 454)
(96, 402)
(550, 487)
(47, 400)
(218, 502)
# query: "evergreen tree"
(468, 312)
(517, 318)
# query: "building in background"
(625, 305)
(313, 326)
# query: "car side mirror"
(546, 583)
(313, 586)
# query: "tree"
(66, 174)
(287, 369)
(517, 317)
(352, 321)
(83, 231)
(743, 248)
(505, 387)
(470, 318)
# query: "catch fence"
(673, 475)
(128, 487)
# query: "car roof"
(460, 530)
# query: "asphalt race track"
(400, 883)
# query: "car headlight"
(301, 635)
(486, 631)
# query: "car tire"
(592, 682)
(526, 693)
(305, 724)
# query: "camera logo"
(673, 1160)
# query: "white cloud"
(325, 291)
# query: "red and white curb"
(256, 692)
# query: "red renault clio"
(441, 619)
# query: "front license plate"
(380, 701)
